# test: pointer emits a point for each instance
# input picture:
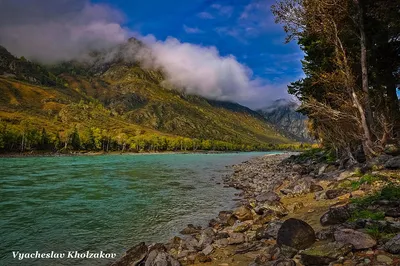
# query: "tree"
(338, 94)
(44, 140)
(75, 139)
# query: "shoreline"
(274, 190)
(56, 154)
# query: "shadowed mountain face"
(282, 114)
(121, 97)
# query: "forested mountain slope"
(116, 105)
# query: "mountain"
(282, 113)
(117, 104)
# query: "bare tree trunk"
(364, 65)
(367, 139)
(23, 142)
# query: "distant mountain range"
(282, 114)
(127, 102)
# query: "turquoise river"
(106, 203)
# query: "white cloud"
(42, 30)
(203, 71)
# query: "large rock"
(241, 227)
(227, 218)
(206, 237)
(158, 256)
(236, 239)
(296, 234)
(393, 163)
(393, 245)
(336, 215)
(358, 239)
(133, 256)
(324, 254)
(191, 243)
(268, 196)
(243, 214)
(190, 230)
(269, 231)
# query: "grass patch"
(366, 214)
(319, 154)
(390, 192)
(377, 233)
(366, 179)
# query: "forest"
(352, 72)
(27, 137)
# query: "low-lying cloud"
(52, 31)
(203, 71)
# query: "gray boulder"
(158, 256)
(268, 196)
(393, 245)
(393, 163)
(336, 215)
(206, 237)
(358, 239)
(269, 231)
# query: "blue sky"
(243, 28)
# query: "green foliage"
(389, 192)
(366, 214)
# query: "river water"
(106, 203)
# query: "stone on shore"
(269, 231)
(296, 233)
(393, 245)
(358, 239)
(243, 213)
(336, 215)
(241, 227)
(206, 238)
(236, 239)
(393, 163)
(134, 256)
(322, 255)
(268, 196)
(276, 207)
(159, 256)
(190, 230)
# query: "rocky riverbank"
(295, 210)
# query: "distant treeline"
(25, 137)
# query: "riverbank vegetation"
(26, 137)
(351, 66)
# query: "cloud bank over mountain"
(52, 31)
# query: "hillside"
(282, 113)
(116, 105)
